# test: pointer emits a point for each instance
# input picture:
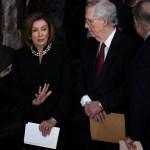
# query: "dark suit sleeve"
(140, 94)
(85, 78)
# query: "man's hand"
(92, 108)
(99, 117)
(129, 143)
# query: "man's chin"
(92, 35)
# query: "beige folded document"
(123, 146)
(111, 130)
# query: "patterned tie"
(100, 60)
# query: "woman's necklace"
(41, 53)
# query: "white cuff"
(85, 99)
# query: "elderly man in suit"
(106, 91)
(139, 80)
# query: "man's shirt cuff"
(85, 99)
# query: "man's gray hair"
(141, 12)
(105, 8)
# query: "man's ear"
(136, 23)
(105, 20)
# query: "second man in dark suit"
(139, 80)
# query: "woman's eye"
(34, 30)
(44, 29)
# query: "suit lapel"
(92, 64)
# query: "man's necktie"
(100, 60)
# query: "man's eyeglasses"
(89, 21)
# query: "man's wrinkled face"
(94, 25)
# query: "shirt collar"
(109, 39)
(148, 33)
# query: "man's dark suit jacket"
(139, 85)
(111, 87)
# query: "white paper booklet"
(33, 136)
(124, 147)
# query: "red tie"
(100, 60)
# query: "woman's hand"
(43, 93)
(46, 126)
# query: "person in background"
(74, 28)
(130, 3)
(106, 91)
(139, 80)
(10, 113)
(42, 78)
(52, 8)
(131, 30)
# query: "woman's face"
(40, 33)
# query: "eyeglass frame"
(89, 21)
